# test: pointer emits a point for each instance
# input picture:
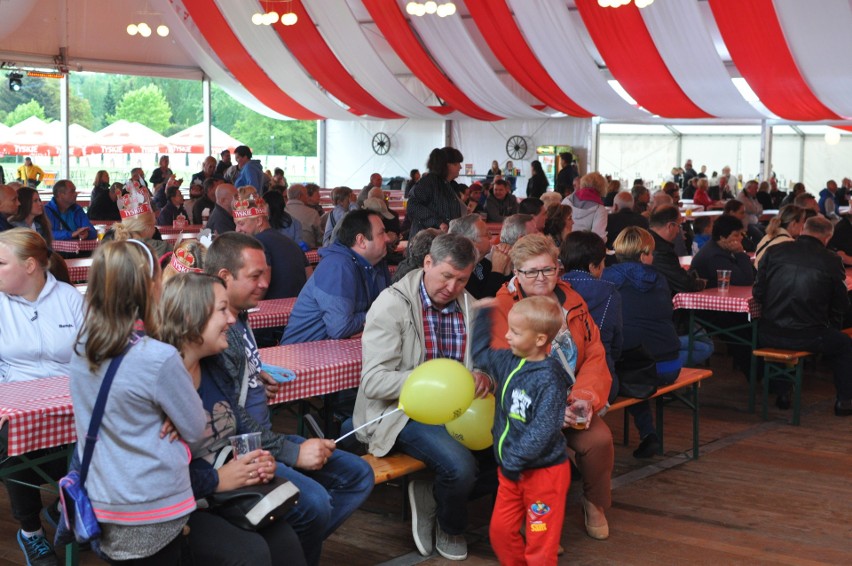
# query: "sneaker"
(37, 550)
(451, 547)
(648, 448)
(843, 408)
(423, 508)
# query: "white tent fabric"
(447, 38)
(684, 43)
(266, 49)
(89, 35)
(821, 42)
(550, 33)
(346, 38)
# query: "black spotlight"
(15, 82)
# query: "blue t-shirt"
(221, 421)
(255, 405)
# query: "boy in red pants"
(530, 390)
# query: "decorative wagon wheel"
(381, 143)
(516, 147)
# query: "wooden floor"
(761, 493)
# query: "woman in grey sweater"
(138, 481)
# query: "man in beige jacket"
(425, 315)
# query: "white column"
(765, 150)
(593, 162)
(321, 148)
(65, 163)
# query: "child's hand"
(482, 384)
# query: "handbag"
(254, 507)
(637, 373)
(77, 520)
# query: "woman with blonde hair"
(785, 227)
(41, 318)
(647, 323)
(141, 227)
(589, 210)
(195, 317)
(140, 491)
(579, 349)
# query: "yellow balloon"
(473, 428)
(437, 392)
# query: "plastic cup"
(723, 280)
(582, 411)
(245, 443)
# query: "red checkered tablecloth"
(40, 414)
(494, 228)
(313, 257)
(737, 299)
(321, 367)
(74, 246)
(272, 313)
(78, 269)
(188, 228)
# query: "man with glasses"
(68, 220)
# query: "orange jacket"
(591, 373)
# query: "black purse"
(637, 373)
(252, 507)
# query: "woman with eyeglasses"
(579, 349)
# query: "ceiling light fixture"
(287, 18)
(422, 8)
(620, 3)
(144, 30)
(15, 81)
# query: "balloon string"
(380, 417)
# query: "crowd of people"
(546, 317)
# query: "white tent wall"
(350, 159)
(627, 157)
(786, 160)
(824, 162)
(483, 142)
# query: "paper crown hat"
(184, 261)
(249, 207)
(134, 202)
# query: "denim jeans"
(460, 473)
(328, 497)
(701, 350)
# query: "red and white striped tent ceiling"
(493, 59)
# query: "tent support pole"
(321, 147)
(208, 115)
(765, 150)
(65, 162)
(594, 145)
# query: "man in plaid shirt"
(425, 315)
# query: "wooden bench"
(783, 365)
(394, 466)
(689, 378)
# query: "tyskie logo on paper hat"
(184, 261)
(134, 202)
(249, 207)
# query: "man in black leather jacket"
(665, 222)
(802, 290)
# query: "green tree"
(277, 137)
(145, 105)
(24, 111)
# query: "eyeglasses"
(534, 273)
